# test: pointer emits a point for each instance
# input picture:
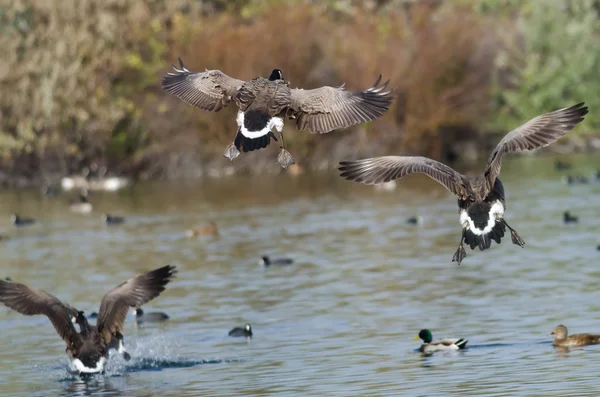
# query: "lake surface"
(340, 321)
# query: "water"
(341, 320)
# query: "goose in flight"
(264, 103)
(481, 202)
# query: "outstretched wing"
(210, 90)
(328, 108)
(538, 132)
(136, 291)
(384, 169)
(31, 301)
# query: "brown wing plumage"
(260, 92)
(210, 90)
(384, 169)
(328, 108)
(31, 301)
(538, 132)
(136, 291)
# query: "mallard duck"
(264, 103)
(430, 346)
(560, 333)
(246, 331)
(88, 348)
(481, 202)
(209, 230)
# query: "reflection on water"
(341, 319)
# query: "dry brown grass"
(83, 77)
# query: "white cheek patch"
(121, 348)
(78, 365)
(275, 122)
(496, 212)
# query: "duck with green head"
(430, 346)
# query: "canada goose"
(241, 331)
(430, 346)
(267, 261)
(81, 205)
(561, 339)
(569, 218)
(19, 221)
(209, 230)
(153, 317)
(263, 105)
(481, 200)
(88, 349)
(112, 220)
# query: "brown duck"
(561, 339)
(88, 348)
(481, 202)
(264, 103)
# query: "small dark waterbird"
(112, 220)
(88, 349)
(561, 338)
(153, 317)
(245, 331)
(569, 218)
(430, 346)
(264, 103)
(20, 221)
(481, 201)
(267, 261)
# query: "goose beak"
(416, 337)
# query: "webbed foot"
(459, 255)
(231, 152)
(285, 159)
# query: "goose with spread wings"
(264, 103)
(481, 202)
(88, 349)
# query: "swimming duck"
(430, 346)
(112, 220)
(267, 261)
(81, 204)
(21, 220)
(88, 348)
(576, 179)
(245, 331)
(481, 200)
(569, 218)
(264, 103)
(153, 317)
(561, 339)
(209, 230)
(415, 220)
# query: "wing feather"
(210, 90)
(384, 169)
(31, 301)
(136, 291)
(328, 108)
(538, 132)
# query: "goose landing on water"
(264, 103)
(481, 202)
(88, 348)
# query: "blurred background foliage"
(80, 78)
